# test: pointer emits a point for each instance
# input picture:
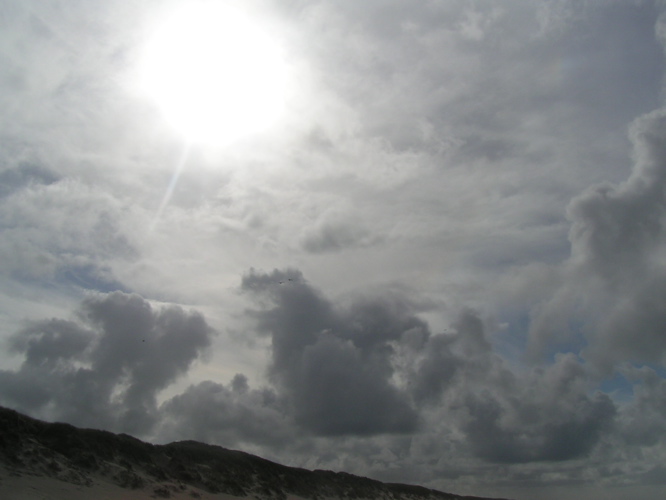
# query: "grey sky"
(443, 264)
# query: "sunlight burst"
(214, 74)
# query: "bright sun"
(214, 74)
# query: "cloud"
(434, 363)
(642, 422)
(337, 363)
(335, 233)
(364, 366)
(23, 176)
(232, 415)
(55, 230)
(616, 228)
(333, 365)
(546, 414)
(106, 368)
(615, 276)
(548, 418)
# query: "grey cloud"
(656, 475)
(53, 230)
(372, 321)
(416, 49)
(491, 149)
(642, 422)
(336, 391)
(106, 368)
(524, 442)
(614, 229)
(23, 176)
(435, 371)
(332, 372)
(300, 312)
(542, 415)
(336, 235)
(436, 360)
(51, 341)
(634, 329)
(231, 415)
(549, 418)
(615, 273)
(333, 364)
(471, 332)
(89, 277)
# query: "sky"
(418, 241)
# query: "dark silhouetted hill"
(78, 456)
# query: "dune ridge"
(54, 461)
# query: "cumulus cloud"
(616, 228)
(616, 275)
(232, 415)
(371, 366)
(106, 367)
(545, 414)
(365, 367)
(643, 421)
(334, 365)
(547, 417)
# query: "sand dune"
(54, 461)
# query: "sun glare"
(214, 74)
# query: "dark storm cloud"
(106, 368)
(333, 364)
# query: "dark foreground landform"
(32, 450)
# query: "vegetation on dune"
(68, 453)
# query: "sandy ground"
(33, 487)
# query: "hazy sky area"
(441, 261)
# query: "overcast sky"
(443, 262)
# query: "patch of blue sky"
(622, 384)
(573, 339)
(509, 340)
(618, 388)
(90, 277)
